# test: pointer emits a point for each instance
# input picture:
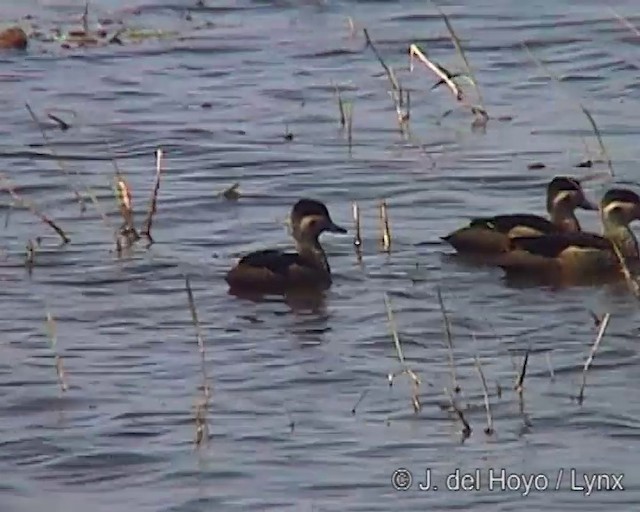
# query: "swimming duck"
(490, 235)
(275, 271)
(581, 256)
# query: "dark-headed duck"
(491, 235)
(275, 271)
(581, 256)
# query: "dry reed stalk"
(53, 339)
(64, 126)
(519, 385)
(30, 256)
(447, 329)
(357, 240)
(352, 26)
(7, 217)
(202, 428)
(592, 122)
(466, 431)
(552, 374)
(603, 148)
(123, 198)
(594, 348)
(519, 388)
(85, 18)
(202, 407)
(360, 399)
(489, 430)
(90, 193)
(463, 56)
(415, 51)
(32, 208)
(405, 368)
(625, 22)
(480, 114)
(385, 238)
(61, 166)
(146, 230)
(631, 282)
(343, 119)
(396, 89)
(349, 114)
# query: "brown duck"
(275, 271)
(490, 235)
(581, 257)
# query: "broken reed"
(480, 115)
(415, 399)
(32, 208)
(61, 166)
(63, 169)
(53, 339)
(592, 353)
(466, 430)
(447, 329)
(202, 406)
(592, 122)
(146, 230)
(385, 238)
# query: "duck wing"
(506, 223)
(273, 260)
(551, 246)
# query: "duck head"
(310, 218)
(565, 193)
(620, 206)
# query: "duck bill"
(334, 228)
(588, 205)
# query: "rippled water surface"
(218, 96)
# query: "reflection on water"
(219, 98)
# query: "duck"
(490, 235)
(276, 271)
(581, 256)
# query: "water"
(286, 375)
